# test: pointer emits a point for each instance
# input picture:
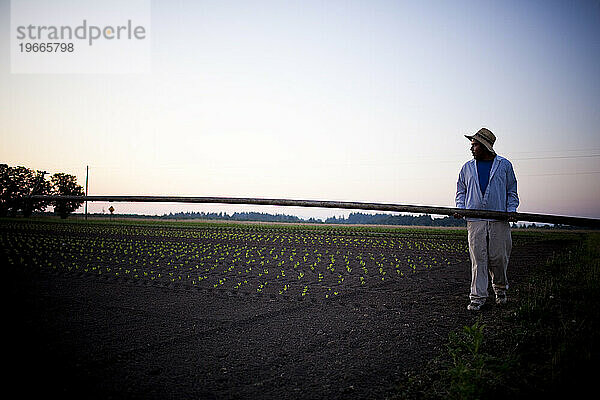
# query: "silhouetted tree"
(6, 190)
(16, 184)
(39, 185)
(66, 185)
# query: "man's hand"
(457, 216)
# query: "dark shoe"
(501, 298)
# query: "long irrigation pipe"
(544, 218)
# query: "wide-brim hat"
(485, 137)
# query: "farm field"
(167, 310)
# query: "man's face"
(478, 150)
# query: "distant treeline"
(388, 219)
(239, 216)
(353, 218)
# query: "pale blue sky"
(333, 100)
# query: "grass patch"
(472, 371)
(546, 345)
(559, 322)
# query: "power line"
(556, 157)
(566, 173)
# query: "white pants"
(490, 243)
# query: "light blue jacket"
(500, 195)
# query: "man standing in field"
(487, 183)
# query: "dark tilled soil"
(78, 335)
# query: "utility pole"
(87, 171)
